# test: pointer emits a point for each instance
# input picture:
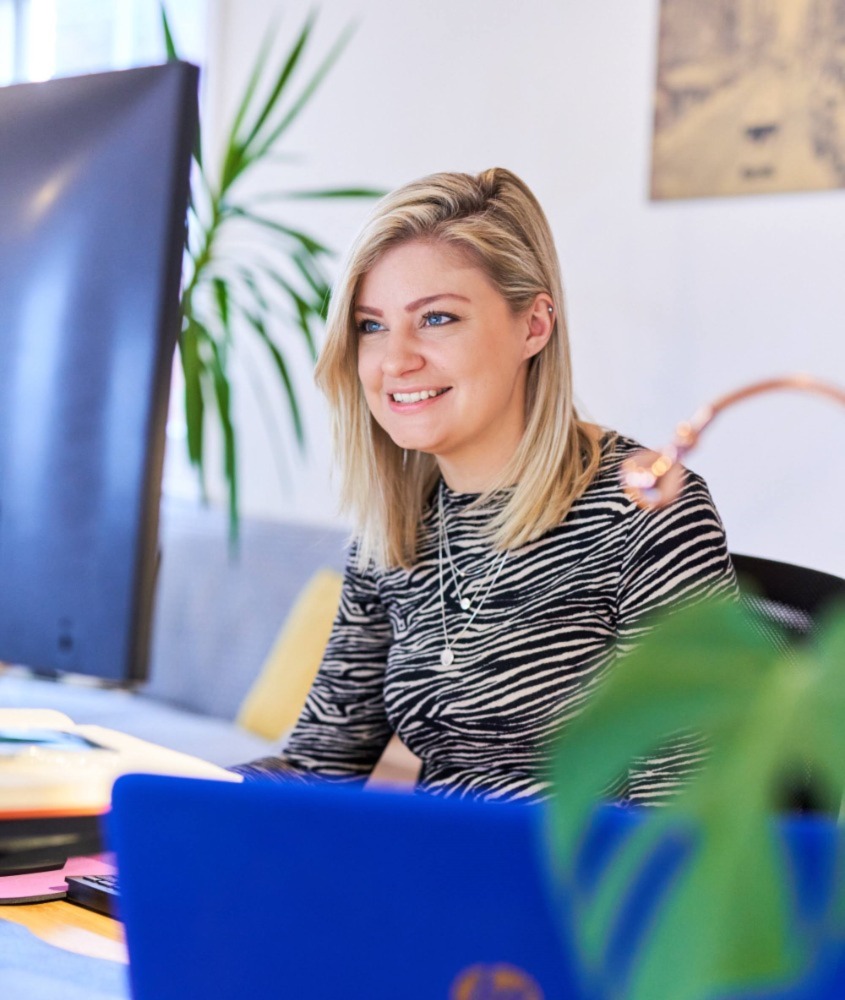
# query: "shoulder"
(608, 481)
(360, 575)
(605, 508)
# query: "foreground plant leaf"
(727, 921)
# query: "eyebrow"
(416, 304)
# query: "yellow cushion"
(273, 703)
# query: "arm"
(343, 728)
(673, 556)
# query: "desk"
(59, 951)
(71, 927)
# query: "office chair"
(792, 598)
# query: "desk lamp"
(654, 482)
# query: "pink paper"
(41, 886)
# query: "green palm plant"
(727, 921)
(246, 271)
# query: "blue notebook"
(287, 891)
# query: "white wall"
(670, 304)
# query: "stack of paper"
(51, 766)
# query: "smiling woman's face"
(443, 360)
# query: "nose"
(401, 354)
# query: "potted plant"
(247, 272)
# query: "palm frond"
(316, 194)
(309, 243)
(281, 367)
(194, 408)
(173, 56)
(308, 92)
(282, 79)
(226, 284)
(223, 397)
(233, 156)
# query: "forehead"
(427, 267)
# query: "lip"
(420, 404)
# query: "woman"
(497, 567)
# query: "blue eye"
(369, 326)
(438, 318)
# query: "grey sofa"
(217, 614)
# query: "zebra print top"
(558, 612)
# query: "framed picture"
(750, 97)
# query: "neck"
(468, 480)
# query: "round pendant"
(447, 657)
(465, 603)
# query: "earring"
(551, 309)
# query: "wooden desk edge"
(66, 925)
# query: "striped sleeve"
(674, 556)
(343, 728)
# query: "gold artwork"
(750, 97)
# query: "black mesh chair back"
(792, 597)
(788, 602)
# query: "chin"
(404, 437)
(409, 444)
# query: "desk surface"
(71, 927)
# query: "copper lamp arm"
(655, 482)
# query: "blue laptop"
(288, 891)
(267, 890)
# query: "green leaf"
(823, 734)
(310, 269)
(696, 670)
(304, 310)
(170, 46)
(221, 295)
(732, 888)
(194, 410)
(223, 396)
(281, 81)
(252, 86)
(317, 194)
(251, 282)
(281, 367)
(233, 157)
(312, 245)
(270, 140)
(220, 270)
(724, 926)
(600, 909)
(173, 56)
(727, 922)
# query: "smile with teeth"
(416, 397)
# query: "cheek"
(366, 367)
(369, 378)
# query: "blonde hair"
(495, 221)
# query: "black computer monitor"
(94, 180)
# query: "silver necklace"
(447, 654)
(463, 600)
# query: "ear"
(541, 319)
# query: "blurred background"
(670, 303)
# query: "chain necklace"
(463, 600)
(447, 655)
